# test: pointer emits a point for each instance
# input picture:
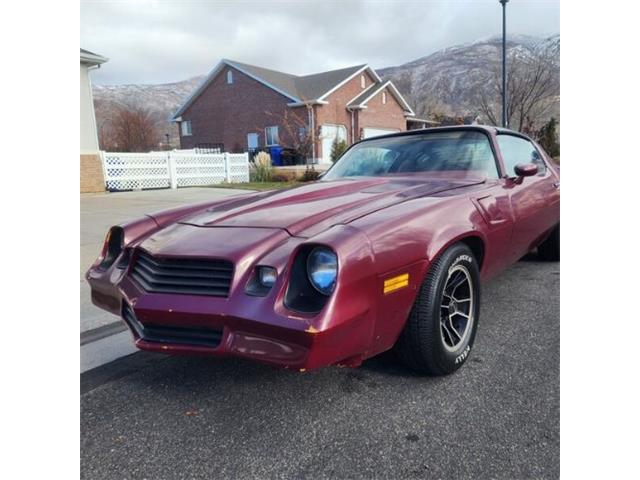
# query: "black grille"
(202, 337)
(182, 275)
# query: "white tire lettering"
(459, 259)
(463, 355)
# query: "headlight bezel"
(301, 296)
(113, 247)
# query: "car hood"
(310, 209)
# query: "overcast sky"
(165, 41)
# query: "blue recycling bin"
(276, 155)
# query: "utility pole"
(504, 62)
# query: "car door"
(552, 188)
(530, 196)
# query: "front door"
(252, 141)
(529, 199)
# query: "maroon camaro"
(387, 250)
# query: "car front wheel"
(441, 327)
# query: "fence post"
(227, 168)
(173, 173)
(103, 163)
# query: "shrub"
(310, 174)
(262, 158)
(337, 149)
(261, 170)
(548, 138)
(280, 177)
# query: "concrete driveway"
(98, 212)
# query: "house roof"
(312, 88)
(320, 85)
(365, 95)
(91, 58)
(361, 100)
(302, 88)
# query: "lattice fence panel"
(238, 167)
(136, 171)
(192, 169)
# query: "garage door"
(376, 132)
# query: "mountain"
(445, 82)
(448, 81)
(162, 100)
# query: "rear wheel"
(441, 327)
(550, 249)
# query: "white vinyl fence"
(137, 171)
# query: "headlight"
(267, 276)
(322, 269)
(261, 281)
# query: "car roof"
(483, 128)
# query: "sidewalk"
(98, 212)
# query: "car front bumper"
(237, 326)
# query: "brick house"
(243, 107)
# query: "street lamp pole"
(504, 62)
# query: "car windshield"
(461, 153)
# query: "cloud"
(163, 41)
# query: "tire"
(426, 344)
(549, 250)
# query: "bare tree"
(130, 128)
(296, 132)
(432, 108)
(532, 90)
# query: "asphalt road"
(157, 417)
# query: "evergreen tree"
(337, 149)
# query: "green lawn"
(256, 185)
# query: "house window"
(229, 77)
(363, 81)
(185, 126)
(384, 97)
(271, 136)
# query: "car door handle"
(556, 184)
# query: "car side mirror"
(525, 170)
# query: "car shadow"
(198, 375)
(530, 257)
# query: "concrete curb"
(105, 350)
(99, 333)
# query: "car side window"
(517, 150)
